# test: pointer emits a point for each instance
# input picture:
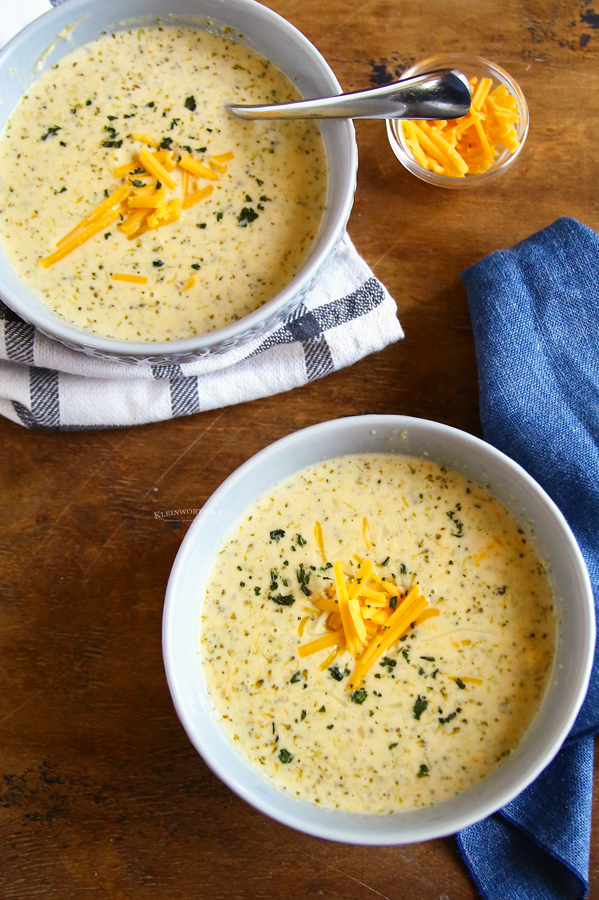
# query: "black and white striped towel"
(346, 315)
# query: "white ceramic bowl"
(483, 464)
(40, 45)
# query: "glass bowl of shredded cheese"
(473, 150)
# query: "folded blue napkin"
(535, 314)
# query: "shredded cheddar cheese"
(366, 616)
(189, 284)
(330, 659)
(167, 214)
(153, 165)
(196, 168)
(319, 540)
(191, 199)
(153, 201)
(115, 199)
(165, 157)
(223, 157)
(133, 223)
(470, 145)
(80, 238)
(126, 169)
(133, 279)
(146, 139)
(148, 205)
(366, 532)
(332, 639)
(217, 165)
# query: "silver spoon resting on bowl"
(443, 94)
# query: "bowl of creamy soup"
(139, 219)
(378, 630)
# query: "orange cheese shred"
(319, 540)
(302, 625)
(351, 636)
(80, 238)
(187, 287)
(133, 279)
(334, 621)
(196, 168)
(165, 215)
(165, 158)
(470, 145)
(149, 201)
(133, 222)
(326, 604)
(330, 659)
(332, 639)
(146, 139)
(427, 614)
(191, 199)
(106, 206)
(223, 157)
(126, 169)
(153, 165)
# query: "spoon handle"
(444, 94)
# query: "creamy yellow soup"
(446, 704)
(228, 254)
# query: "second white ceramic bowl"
(63, 29)
(486, 466)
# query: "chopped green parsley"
(419, 706)
(283, 600)
(54, 129)
(246, 216)
(337, 674)
(359, 696)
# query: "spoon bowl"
(444, 94)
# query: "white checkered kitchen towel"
(347, 315)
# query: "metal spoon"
(444, 94)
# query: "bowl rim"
(319, 825)
(397, 141)
(72, 336)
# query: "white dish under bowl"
(52, 36)
(486, 466)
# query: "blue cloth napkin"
(535, 314)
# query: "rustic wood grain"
(102, 795)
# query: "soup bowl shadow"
(68, 26)
(484, 465)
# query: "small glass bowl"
(471, 66)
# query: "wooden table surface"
(102, 795)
